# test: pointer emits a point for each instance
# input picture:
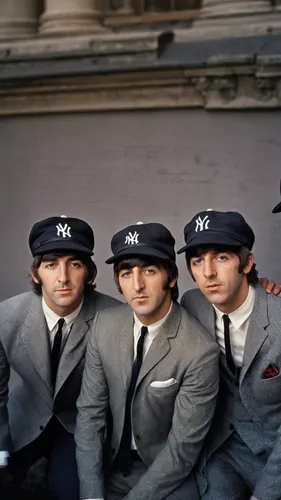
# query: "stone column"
(66, 17)
(219, 11)
(18, 18)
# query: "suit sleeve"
(193, 412)
(268, 486)
(5, 436)
(92, 405)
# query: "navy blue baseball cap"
(217, 228)
(61, 234)
(148, 240)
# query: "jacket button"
(41, 427)
(231, 427)
(138, 437)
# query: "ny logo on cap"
(63, 231)
(132, 239)
(201, 225)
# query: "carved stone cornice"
(234, 76)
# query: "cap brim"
(209, 238)
(67, 246)
(277, 209)
(136, 251)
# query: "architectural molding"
(217, 87)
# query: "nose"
(209, 268)
(63, 276)
(137, 280)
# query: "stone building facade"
(119, 111)
(128, 54)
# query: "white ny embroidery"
(132, 239)
(63, 230)
(202, 224)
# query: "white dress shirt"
(238, 327)
(150, 336)
(52, 322)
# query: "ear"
(33, 276)
(172, 284)
(92, 280)
(249, 264)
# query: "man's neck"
(149, 321)
(237, 301)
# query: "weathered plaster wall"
(117, 168)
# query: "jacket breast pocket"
(268, 390)
(172, 390)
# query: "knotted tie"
(55, 354)
(124, 458)
(228, 354)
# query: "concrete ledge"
(222, 74)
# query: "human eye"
(125, 274)
(196, 262)
(150, 270)
(50, 265)
(76, 264)
(221, 257)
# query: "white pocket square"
(163, 383)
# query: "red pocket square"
(271, 371)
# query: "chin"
(142, 311)
(65, 303)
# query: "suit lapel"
(201, 309)
(34, 336)
(207, 316)
(126, 345)
(256, 334)
(161, 345)
(75, 346)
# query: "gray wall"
(116, 169)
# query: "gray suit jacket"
(260, 397)
(25, 348)
(169, 423)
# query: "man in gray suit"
(242, 456)
(43, 339)
(154, 369)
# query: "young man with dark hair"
(154, 369)
(43, 338)
(242, 456)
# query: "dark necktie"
(124, 458)
(55, 354)
(228, 354)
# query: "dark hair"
(169, 266)
(241, 252)
(50, 257)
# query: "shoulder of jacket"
(195, 335)
(16, 301)
(116, 311)
(274, 305)
(104, 301)
(191, 295)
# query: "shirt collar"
(52, 318)
(155, 326)
(240, 315)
